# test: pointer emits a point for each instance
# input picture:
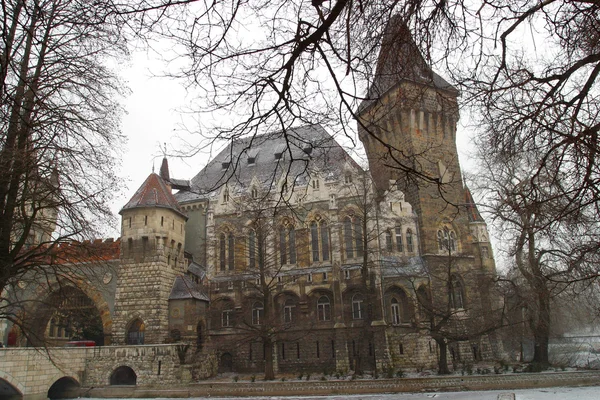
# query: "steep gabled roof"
(472, 211)
(254, 160)
(401, 60)
(154, 192)
(184, 288)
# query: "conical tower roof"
(401, 60)
(154, 192)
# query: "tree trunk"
(541, 330)
(443, 357)
(269, 373)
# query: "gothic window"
(135, 333)
(395, 312)
(319, 240)
(409, 241)
(254, 193)
(357, 306)
(226, 251)
(288, 310)
(323, 309)
(347, 178)
(446, 240)
(252, 249)
(353, 237)
(257, 313)
(485, 253)
(457, 294)
(399, 244)
(287, 245)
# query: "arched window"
(395, 311)
(288, 311)
(257, 313)
(135, 333)
(353, 237)
(287, 245)
(400, 310)
(323, 309)
(457, 294)
(357, 306)
(226, 251)
(446, 240)
(319, 240)
(409, 241)
(399, 244)
(252, 249)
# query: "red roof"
(471, 207)
(154, 192)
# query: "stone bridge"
(32, 373)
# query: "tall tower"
(407, 124)
(152, 246)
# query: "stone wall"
(32, 371)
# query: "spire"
(164, 170)
(401, 60)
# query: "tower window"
(409, 241)
(399, 244)
(226, 251)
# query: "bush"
(399, 373)
(535, 367)
(253, 378)
(236, 378)
(283, 379)
(307, 377)
(300, 376)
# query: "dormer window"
(315, 184)
(279, 150)
(254, 193)
(252, 155)
(307, 148)
(225, 165)
(278, 156)
(347, 179)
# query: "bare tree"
(59, 133)
(552, 237)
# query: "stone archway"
(8, 391)
(123, 375)
(64, 388)
(67, 313)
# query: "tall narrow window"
(319, 241)
(227, 318)
(225, 195)
(348, 237)
(389, 246)
(314, 240)
(456, 293)
(452, 241)
(323, 309)
(409, 241)
(292, 244)
(252, 249)
(399, 244)
(230, 251)
(288, 310)
(222, 252)
(282, 246)
(325, 241)
(257, 313)
(395, 311)
(357, 306)
(358, 236)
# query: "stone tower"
(408, 126)
(408, 123)
(152, 255)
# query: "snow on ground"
(558, 393)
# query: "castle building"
(283, 253)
